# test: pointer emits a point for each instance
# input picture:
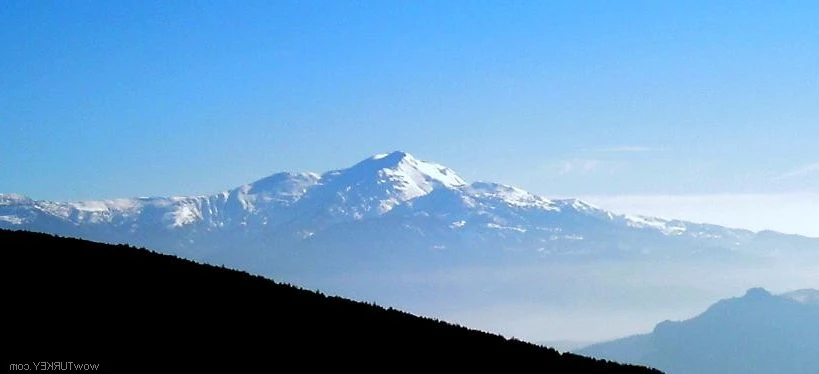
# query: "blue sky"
(104, 99)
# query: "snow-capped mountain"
(391, 205)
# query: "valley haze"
(413, 234)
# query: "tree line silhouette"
(131, 309)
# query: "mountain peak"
(379, 183)
(280, 187)
(392, 156)
(757, 292)
(758, 333)
(391, 160)
(381, 160)
(405, 166)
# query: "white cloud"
(579, 166)
(793, 213)
(622, 149)
(801, 172)
(586, 166)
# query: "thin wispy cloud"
(598, 160)
(586, 166)
(578, 166)
(800, 172)
(627, 149)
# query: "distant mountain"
(806, 296)
(756, 333)
(131, 310)
(389, 208)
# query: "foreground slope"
(130, 309)
(756, 333)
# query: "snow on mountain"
(665, 226)
(277, 189)
(376, 185)
(370, 189)
(380, 198)
(511, 196)
(804, 296)
(14, 199)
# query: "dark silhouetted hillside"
(131, 309)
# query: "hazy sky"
(103, 99)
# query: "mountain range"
(389, 205)
(756, 333)
(413, 234)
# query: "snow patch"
(182, 216)
(14, 220)
(706, 235)
(510, 195)
(90, 206)
(664, 226)
(14, 199)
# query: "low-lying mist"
(587, 302)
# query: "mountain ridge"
(758, 332)
(393, 195)
(306, 180)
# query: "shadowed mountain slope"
(756, 333)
